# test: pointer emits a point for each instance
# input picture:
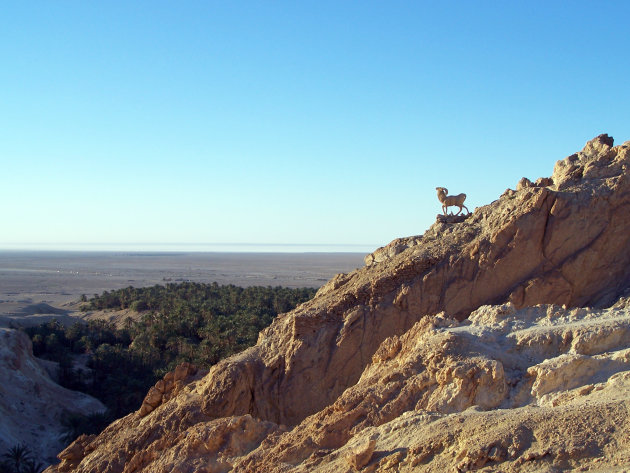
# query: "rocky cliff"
(468, 347)
(31, 403)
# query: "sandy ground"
(38, 286)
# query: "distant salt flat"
(56, 279)
(153, 248)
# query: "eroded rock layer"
(341, 382)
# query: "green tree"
(17, 457)
(39, 347)
(75, 424)
(139, 306)
(200, 323)
(33, 466)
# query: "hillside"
(500, 342)
(31, 403)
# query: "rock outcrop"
(31, 403)
(427, 397)
(433, 355)
(167, 388)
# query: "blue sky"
(309, 122)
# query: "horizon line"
(196, 247)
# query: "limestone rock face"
(442, 337)
(166, 388)
(29, 398)
(494, 389)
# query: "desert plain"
(36, 286)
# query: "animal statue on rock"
(451, 200)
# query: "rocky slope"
(31, 403)
(461, 348)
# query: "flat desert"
(37, 286)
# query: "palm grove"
(194, 322)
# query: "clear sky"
(290, 122)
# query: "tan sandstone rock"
(437, 350)
(167, 387)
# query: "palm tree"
(73, 425)
(33, 466)
(17, 456)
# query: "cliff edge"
(501, 340)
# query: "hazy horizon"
(193, 247)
